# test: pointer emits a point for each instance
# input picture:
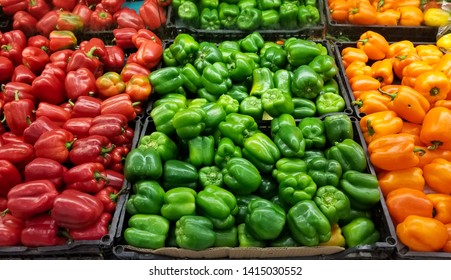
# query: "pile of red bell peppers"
(68, 111)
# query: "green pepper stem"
(4, 212)
(370, 128)
(420, 151)
(107, 150)
(98, 176)
(435, 145)
(392, 95)
(434, 91)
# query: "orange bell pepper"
(373, 44)
(358, 68)
(410, 16)
(379, 124)
(402, 3)
(442, 206)
(413, 70)
(435, 129)
(434, 85)
(408, 104)
(444, 65)
(400, 48)
(427, 156)
(393, 152)
(364, 82)
(447, 247)
(411, 178)
(422, 234)
(413, 129)
(339, 10)
(404, 202)
(438, 175)
(443, 103)
(362, 13)
(371, 101)
(383, 5)
(388, 17)
(351, 54)
(383, 71)
(402, 60)
(431, 54)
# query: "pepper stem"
(434, 91)
(420, 151)
(4, 212)
(70, 144)
(99, 176)
(435, 145)
(392, 95)
(107, 150)
(370, 128)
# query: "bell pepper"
(210, 175)
(61, 58)
(149, 54)
(62, 40)
(301, 51)
(160, 142)
(209, 19)
(109, 125)
(307, 224)
(10, 230)
(351, 54)
(306, 83)
(17, 112)
(349, 154)
(227, 237)
(21, 73)
(313, 131)
(19, 154)
(35, 59)
(433, 131)
(373, 44)
(55, 113)
(238, 92)
(119, 104)
(436, 176)
(241, 176)
(42, 124)
(49, 86)
(324, 172)
(147, 198)
(329, 102)
(216, 114)
(189, 122)
(371, 102)
(288, 167)
(227, 47)
(246, 239)
(9, 176)
(80, 82)
(83, 11)
(194, 233)
(361, 198)
(189, 14)
(332, 202)
(275, 102)
(379, 124)
(228, 15)
(178, 202)
(147, 231)
(290, 141)
(225, 151)
(201, 150)
(308, 15)
(166, 80)
(296, 187)
(288, 15)
(262, 151)
(54, 144)
(240, 66)
(184, 48)
(109, 84)
(218, 205)
(303, 108)
(30, 198)
(262, 80)
(207, 54)
(252, 106)
(95, 231)
(93, 148)
(163, 115)
(282, 80)
(100, 19)
(274, 58)
(249, 19)
(142, 164)
(41, 230)
(84, 59)
(128, 18)
(86, 177)
(260, 212)
(70, 21)
(79, 127)
(404, 178)
(442, 204)
(215, 78)
(13, 43)
(422, 234)
(177, 173)
(338, 127)
(360, 231)
(45, 169)
(325, 66)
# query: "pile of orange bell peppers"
(404, 93)
(379, 12)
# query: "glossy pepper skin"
(147, 198)
(177, 173)
(147, 231)
(95, 231)
(262, 152)
(433, 132)
(290, 141)
(54, 144)
(349, 154)
(262, 80)
(80, 82)
(404, 202)
(86, 177)
(241, 176)
(301, 51)
(10, 230)
(45, 169)
(404, 178)
(143, 164)
(16, 113)
(225, 151)
(178, 202)
(436, 175)
(306, 83)
(184, 48)
(275, 102)
(41, 230)
(238, 127)
(286, 167)
(9, 176)
(380, 123)
(360, 231)
(325, 172)
(94, 148)
(160, 142)
(338, 127)
(189, 122)
(261, 212)
(313, 131)
(249, 19)
(308, 225)
(361, 198)
(210, 175)
(333, 203)
(194, 233)
(19, 154)
(296, 187)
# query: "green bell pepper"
(252, 106)
(207, 55)
(311, 154)
(301, 51)
(178, 202)
(268, 188)
(310, 2)
(332, 202)
(177, 3)
(361, 188)
(217, 204)
(290, 141)
(360, 231)
(147, 198)
(246, 239)
(262, 80)
(184, 48)
(268, 4)
(228, 103)
(267, 45)
(189, 122)
(282, 81)
(142, 164)
(228, 15)
(228, 47)
(227, 237)
(288, 167)
(188, 13)
(314, 132)
(249, 19)
(240, 66)
(242, 201)
(243, 4)
(215, 78)
(338, 127)
(201, 150)
(147, 231)
(241, 176)
(303, 108)
(194, 233)
(279, 121)
(297, 187)
(252, 43)
(275, 102)
(209, 19)
(238, 127)
(210, 4)
(210, 175)
(308, 15)
(260, 214)
(168, 58)
(329, 102)
(203, 93)
(261, 151)
(163, 116)
(331, 86)
(270, 19)
(274, 58)
(173, 98)
(288, 13)
(353, 214)
(284, 240)
(238, 92)
(324, 171)
(216, 114)
(306, 83)
(308, 225)
(166, 148)
(177, 173)
(198, 102)
(166, 80)
(225, 151)
(191, 78)
(325, 66)
(349, 154)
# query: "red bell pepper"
(73, 209)
(41, 230)
(3, 204)
(153, 15)
(61, 40)
(41, 42)
(23, 91)
(45, 169)
(13, 43)
(35, 58)
(115, 179)
(163, 3)
(70, 22)
(84, 12)
(86, 106)
(10, 7)
(55, 113)
(49, 86)
(47, 23)
(80, 82)
(149, 54)
(10, 229)
(131, 68)
(112, 6)
(86, 177)
(109, 84)
(139, 88)
(119, 104)
(84, 59)
(23, 74)
(9, 176)
(6, 69)
(79, 127)
(114, 60)
(67, 106)
(54, 144)
(125, 139)
(100, 20)
(19, 154)
(123, 37)
(67, 5)
(143, 35)
(98, 44)
(109, 125)
(24, 21)
(94, 148)
(61, 58)
(42, 124)
(9, 137)
(128, 18)
(95, 231)
(108, 196)
(38, 8)
(17, 113)
(28, 199)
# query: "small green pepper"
(209, 19)
(349, 154)
(282, 120)
(178, 202)
(287, 167)
(361, 188)
(225, 151)
(261, 151)
(246, 239)
(217, 204)
(240, 66)
(290, 141)
(188, 13)
(338, 127)
(252, 43)
(314, 133)
(201, 150)
(161, 143)
(282, 80)
(270, 19)
(274, 58)
(177, 173)
(216, 79)
(332, 202)
(147, 198)
(241, 176)
(301, 51)
(208, 54)
(360, 231)
(163, 116)
(166, 80)
(147, 231)
(308, 15)
(140, 164)
(210, 175)
(262, 80)
(216, 114)
(194, 233)
(306, 83)
(260, 214)
(303, 108)
(184, 48)
(325, 66)
(275, 102)
(288, 13)
(228, 103)
(227, 237)
(228, 15)
(329, 102)
(325, 172)
(249, 19)
(238, 127)
(297, 187)
(189, 122)
(252, 106)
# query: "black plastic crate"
(80, 249)
(383, 249)
(176, 26)
(347, 31)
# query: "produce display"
(402, 90)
